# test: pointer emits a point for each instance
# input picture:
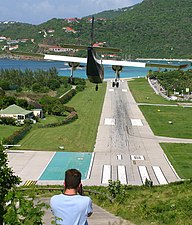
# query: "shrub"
(65, 98)
(17, 135)
(70, 118)
(116, 190)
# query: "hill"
(153, 28)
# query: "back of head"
(72, 179)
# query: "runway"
(126, 148)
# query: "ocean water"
(64, 70)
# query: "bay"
(64, 70)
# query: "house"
(17, 113)
(72, 20)
(38, 113)
(69, 30)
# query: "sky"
(39, 11)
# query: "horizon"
(38, 12)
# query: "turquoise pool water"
(62, 161)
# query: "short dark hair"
(72, 179)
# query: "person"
(71, 207)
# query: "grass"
(158, 205)
(158, 118)
(77, 136)
(6, 131)
(180, 156)
(143, 93)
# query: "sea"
(64, 70)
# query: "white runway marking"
(159, 174)
(106, 174)
(124, 90)
(111, 90)
(109, 121)
(144, 173)
(121, 173)
(119, 157)
(137, 157)
(136, 122)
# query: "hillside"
(153, 28)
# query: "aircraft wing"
(65, 58)
(142, 64)
(113, 62)
(123, 63)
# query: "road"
(126, 148)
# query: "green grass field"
(77, 136)
(143, 93)
(6, 131)
(158, 118)
(160, 205)
(180, 156)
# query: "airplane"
(94, 66)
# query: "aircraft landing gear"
(115, 83)
(117, 70)
(71, 80)
(96, 87)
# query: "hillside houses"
(69, 30)
(55, 48)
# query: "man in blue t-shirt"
(71, 208)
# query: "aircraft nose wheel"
(96, 87)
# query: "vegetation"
(16, 208)
(6, 131)
(143, 93)
(38, 80)
(158, 205)
(180, 156)
(174, 81)
(77, 136)
(158, 118)
(153, 28)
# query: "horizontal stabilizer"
(96, 48)
(106, 49)
(158, 65)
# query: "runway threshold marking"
(159, 174)
(106, 174)
(136, 122)
(121, 173)
(109, 121)
(144, 173)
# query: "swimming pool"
(62, 161)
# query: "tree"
(36, 87)
(17, 207)
(7, 181)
